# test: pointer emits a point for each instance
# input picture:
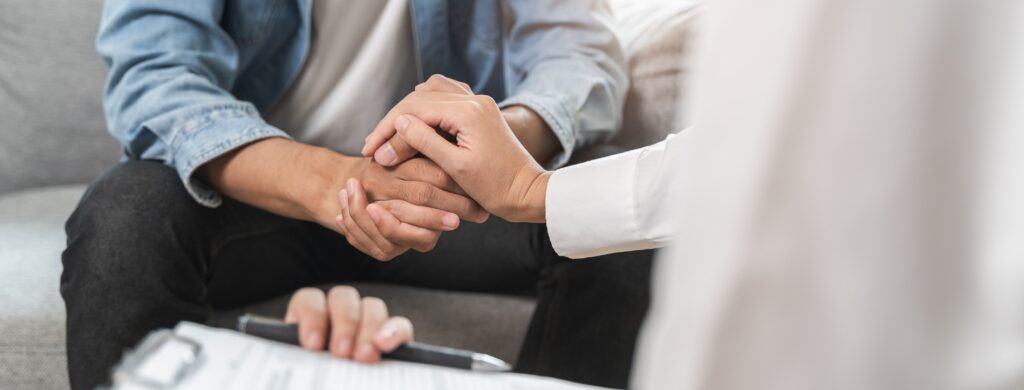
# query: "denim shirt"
(188, 79)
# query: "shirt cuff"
(591, 208)
(204, 141)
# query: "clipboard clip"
(160, 362)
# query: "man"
(242, 121)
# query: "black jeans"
(143, 255)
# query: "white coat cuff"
(591, 209)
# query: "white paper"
(231, 360)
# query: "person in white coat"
(845, 213)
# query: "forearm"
(282, 176)
(574, 75)
(532, 131)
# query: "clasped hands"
(485, 171)
(486, 164)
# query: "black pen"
(277, 330)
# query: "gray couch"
(53, 142)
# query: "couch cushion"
(658, 37)
(32, 323)
(32, 311)
(51, 82)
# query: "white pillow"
(658, 37)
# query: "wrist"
(532, 207)
(532, 132)
(317, 191)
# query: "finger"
(432, 107)
(422, 216)
(424, 170)
(384, 131)
(440, 83)
(395, 331)
(343, 308)
(339, 220)
(357, 210)
(394, 152)
(373, 315)
(353, 233)
(308, 308)
(451, 85)
(424, 194)
(402, 234)
(425, 139)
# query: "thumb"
(424, 138)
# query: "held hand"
(388, 228)
(394, 150)
(300, 181)
(360, 328)
(417, 181)
(488, 162)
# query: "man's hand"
(488, 162)
(416, 182)
(531, 130)
(359, 328)
(388, 228)
(391, 221)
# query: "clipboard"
(160, 361)
(198, 357)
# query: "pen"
(277, 330)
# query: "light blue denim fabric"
(189, 78)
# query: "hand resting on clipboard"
(194, 356)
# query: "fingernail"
(344, 199)
(374, 213)
(386, 335)
(450, 221)
(351, 185)
(388, 332)
(343, 347)
(401, 123)
(386, 155)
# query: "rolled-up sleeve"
(567, 65)
(614, 204)
(167, 94)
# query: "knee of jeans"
(126, 217)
